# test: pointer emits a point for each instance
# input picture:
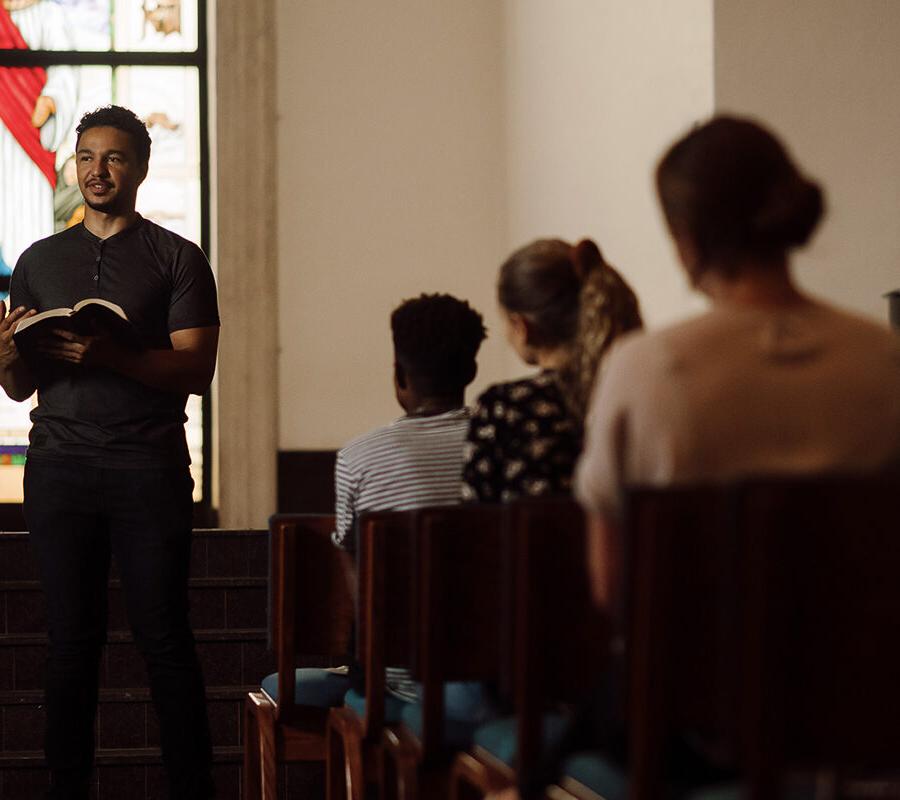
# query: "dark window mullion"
(49, 58)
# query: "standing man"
(107, 470)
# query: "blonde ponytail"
(608, 307)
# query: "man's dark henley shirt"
(93, 415)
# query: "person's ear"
(470, 373)
(519, 328)
(399, 376)
(689, 254)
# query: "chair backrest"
(385, 621)
(823, 618)
(680, 615)
(559, 638)
(458, 579)
(761, 621)
(311, 603)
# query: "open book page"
(24, 324)
(99, 301)
(88, 317)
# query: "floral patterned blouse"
(522, 442)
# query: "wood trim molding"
(245, 253)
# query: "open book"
(89, 316)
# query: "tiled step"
(236, 657)
(215, 554)
(228, 611)
(138, 775)
(122, 774)
(216, 603)
(125, 719)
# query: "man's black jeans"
(78, 516)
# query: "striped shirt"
(412, 463)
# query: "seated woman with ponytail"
(564, 306)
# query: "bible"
(88, 317)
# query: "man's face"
(109, 172)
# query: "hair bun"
(586, 256)
(790, 216)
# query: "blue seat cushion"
(393, 705)
(312, 687)
(499, 737)
(599, 774)
(457, 732)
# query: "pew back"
(311, 599)
(560, 640)
(459, 601)
(761, 623)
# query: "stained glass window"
(147, 55)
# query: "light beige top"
(740, 392)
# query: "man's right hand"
(9, 353)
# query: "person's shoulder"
(167, 242)
(50, 245)
(365, 442)
(860, 336)
(853, 323)
(514, 390)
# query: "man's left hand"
(91, 351)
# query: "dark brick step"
(116, 781)
(125, 719)
(215, 553)
(138, 695)
(228, 658)
(34, 759)
(121, 774)
(216, 603)
(33, 584)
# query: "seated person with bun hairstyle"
(770, 380)
(564, 306)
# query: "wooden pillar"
(242, 94)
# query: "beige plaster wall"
(391, 181)
(596, 90)
(418, 143)
(824, 74)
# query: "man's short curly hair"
(436, 340)
(122, 119)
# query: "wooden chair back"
(458, 580)
(680, 613)
(386, 603)
(311, 602)
(823, 617)
(762, 619)
(560, 641)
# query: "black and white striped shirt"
(411, 463)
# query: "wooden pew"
(458, 601)
(558, 643)
(768, 627)
(311, 615)
(821, 619)
(384, 636)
